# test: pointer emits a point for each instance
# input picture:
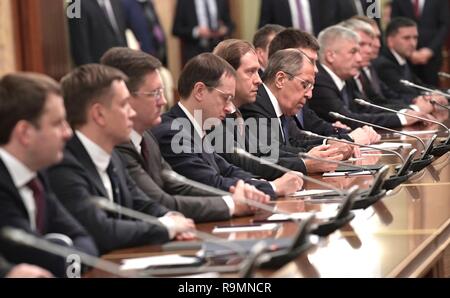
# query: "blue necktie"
(285, 126)
(300, 118)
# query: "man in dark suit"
(142, 19)
(364, 83)
(201, 25)
(340, 60)
(207, 86)
(100, 27)
(96, 100)
(392, 65)
(283, 94)
(306, 118)
(307, 15)
(241, 55)
(433, 19)
(141, 154)
(32, 137)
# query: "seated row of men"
(118, 146)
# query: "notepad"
(167, 260)
(387, 145)
(245, 228)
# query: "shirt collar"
(274, 102)
(400, 59)
(136, 140)
(19, 172)
(100, 157)
(337, 80)
(197, 126)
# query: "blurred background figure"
(101, 27)
(201, 25)
(432, 18)
(142, 19)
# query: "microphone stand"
(438, 150)
(389, 183)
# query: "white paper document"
(387, 145)
(310, 192)
(244, 228)
(167, 260)
(303, 215)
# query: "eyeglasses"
(305, 84)
(228, 97)
(157, 93)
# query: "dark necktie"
(375, 81)
(363, 85)
(416, 7)
(300, 118)
(285, 126)
(407, 72)
(39, 200)
(301, 21)
(345, 97)
(111, 171)
(145, 153)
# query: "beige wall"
(7, 53)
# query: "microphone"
(342, 117)
(23, 238)
(362, 202)
(437, 151)
(444, 74)
(322, 229)
(245, 266)
(391, 182)
(436, 91)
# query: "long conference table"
(405, 234)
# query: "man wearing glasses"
(207, 87)
(242, 56)
(142, 156)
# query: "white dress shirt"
(228, 199)
(101, 160)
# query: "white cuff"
(170, 225)
(273, 186)
(415, 108)
(230, 203)
(402, 118)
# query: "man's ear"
(199, 91)
(330, 56)
(23, 132)
(96, 113)
(280, 79)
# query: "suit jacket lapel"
(7, 182)
(78, 150)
